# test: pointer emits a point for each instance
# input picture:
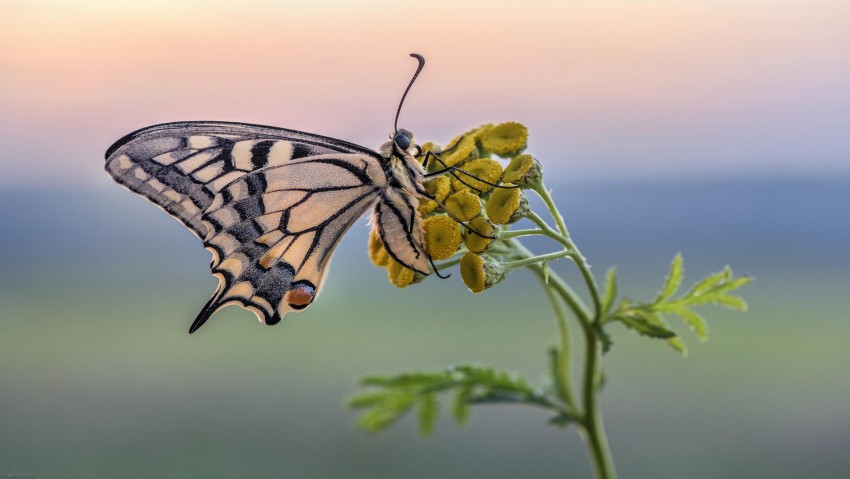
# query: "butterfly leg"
(449, 169)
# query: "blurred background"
(719, 129)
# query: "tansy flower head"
(484, 168)
(464, 204)
(505, 139)
(475, 237)
(479, 272)
(507, 205)
(459, 150)
(401, 276)
(524, 170)
(377, 253)
(439, 187)
(442, 236)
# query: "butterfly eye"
(402, 141)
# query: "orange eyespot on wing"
(301, 294)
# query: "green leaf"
(709, 282)
(429, 410)
(365, 400)
(678, 345)
(674, 279)
(610, 291)
(647, 325)
(385, 414)
(695, 321)
(460, 405)
(727, 300)
(405, 379)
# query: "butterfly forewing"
(270, 203)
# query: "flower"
(377, 253)
(464, 204)
(484, 168)
(401, 276)
(507, 205)
(438, 187)
(459, 150)
(475, 236)
(505, 139)
(480, 272)
(525, 171)
(442, 236)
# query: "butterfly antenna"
(421, 60)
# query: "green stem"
(567, 242)
(544, 195)
(543, 258)
(594, 430)
(508, 234)
(603, 463)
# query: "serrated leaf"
(678, 345)
(707, 283)
(365, 400)
(610, 290)
(674, 279)
(729, 301)
(381, 417)
(429, 410)
(405, 379)
(460, 405)
(645, 326)
(695, 321)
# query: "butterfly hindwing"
(273, 231)
(270, 203)
(399, 226)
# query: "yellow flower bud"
(484, 168)
(473, 240)
(524, 170)
(506, 206)
(401, 276)
(440, 187)
(442, 236)
(377, 253)
(464, 204)
(505, 139)
(480, 272)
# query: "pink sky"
(633, 88)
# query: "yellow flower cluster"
(470, 205)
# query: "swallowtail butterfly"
(271, 204)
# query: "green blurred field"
(98, 377)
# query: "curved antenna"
(421, 60)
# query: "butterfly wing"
(270, 204)
(399, 225)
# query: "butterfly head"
(401, 144)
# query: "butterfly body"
(271, 204)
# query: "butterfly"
(271, 204)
